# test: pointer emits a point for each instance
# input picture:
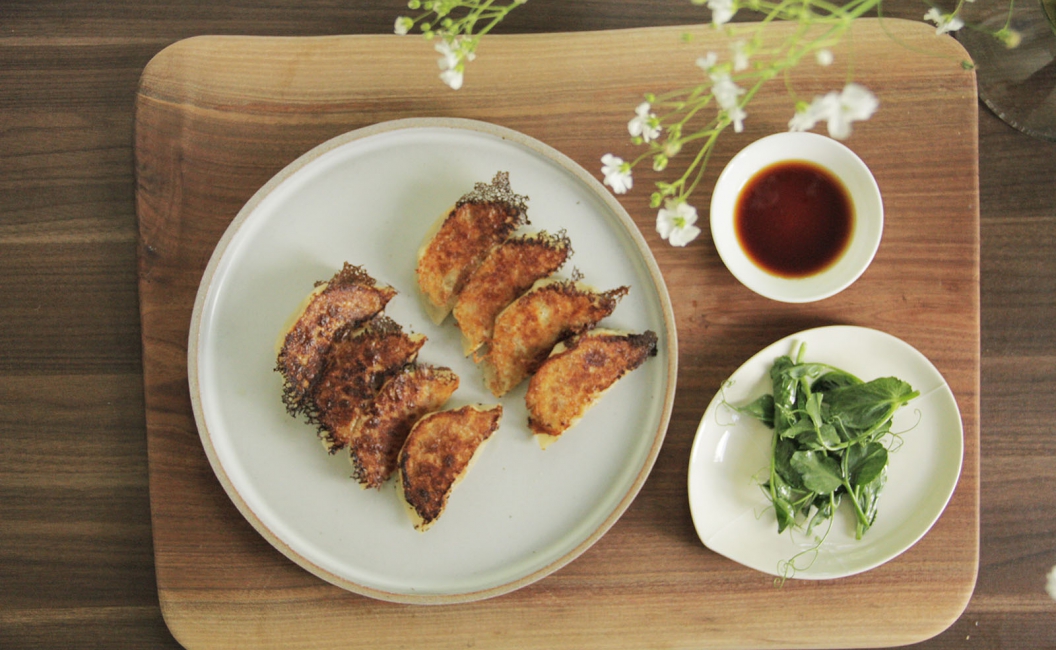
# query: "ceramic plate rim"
(709, 527)
(615, 217)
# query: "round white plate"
(368, 197)
(730, 510)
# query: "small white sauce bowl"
(822, 151)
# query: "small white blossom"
(854, 103)
(805, 119)
(740, 57)
(721, 11)
(456, 52)
(944, 22)
(726, 93)
(725, 90)
(452, 77)
(617, 173)
(824, 57)
(450, 55)
(403, 25)
(1050, 586)
(644, 123)
(675, 222)
(737, 115)
(707, 62)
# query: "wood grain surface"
(77, 564)
(218, 116)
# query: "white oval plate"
(369, 197)
(732, 514)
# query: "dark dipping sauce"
(794, 219)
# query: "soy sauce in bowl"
(794, 219)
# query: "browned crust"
(348, 300)
(569, 382)
(497, 191)
(527, 330)
(355, 369)
(480, 220)
(437, 453)
(404, 399)
(508, 271)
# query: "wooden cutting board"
(216, 117)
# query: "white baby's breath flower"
(805, 118)
(943, 22)
(403, 25)
(1050, 585)
(853, 103)
(708, 61)
(617, 173)
(449, 54)
(740, 56)
(452, 77)
(721, 11)
(737, 115)
(645, 124)
(675, 222)
(824, 57)
(725, 90)
(455, 52)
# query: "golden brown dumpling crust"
(527, 330)
(507, 272)
(357, 366)
(480, 221)
(349, 299)
(571, 380)
(436, 455)
(377, 438)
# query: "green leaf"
(861, 407)
(824, 437)
(786, 515)
(781, 497)
(782, 461)
(825, 509)
(761, 409)
(820, 472)
(833, 379)
(867, 498)
(785, 389)
(811, 371)
(789, 502)
(784, 383)
(862, 463)
(813, 409)
(798, 428)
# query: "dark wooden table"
(76, 560)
